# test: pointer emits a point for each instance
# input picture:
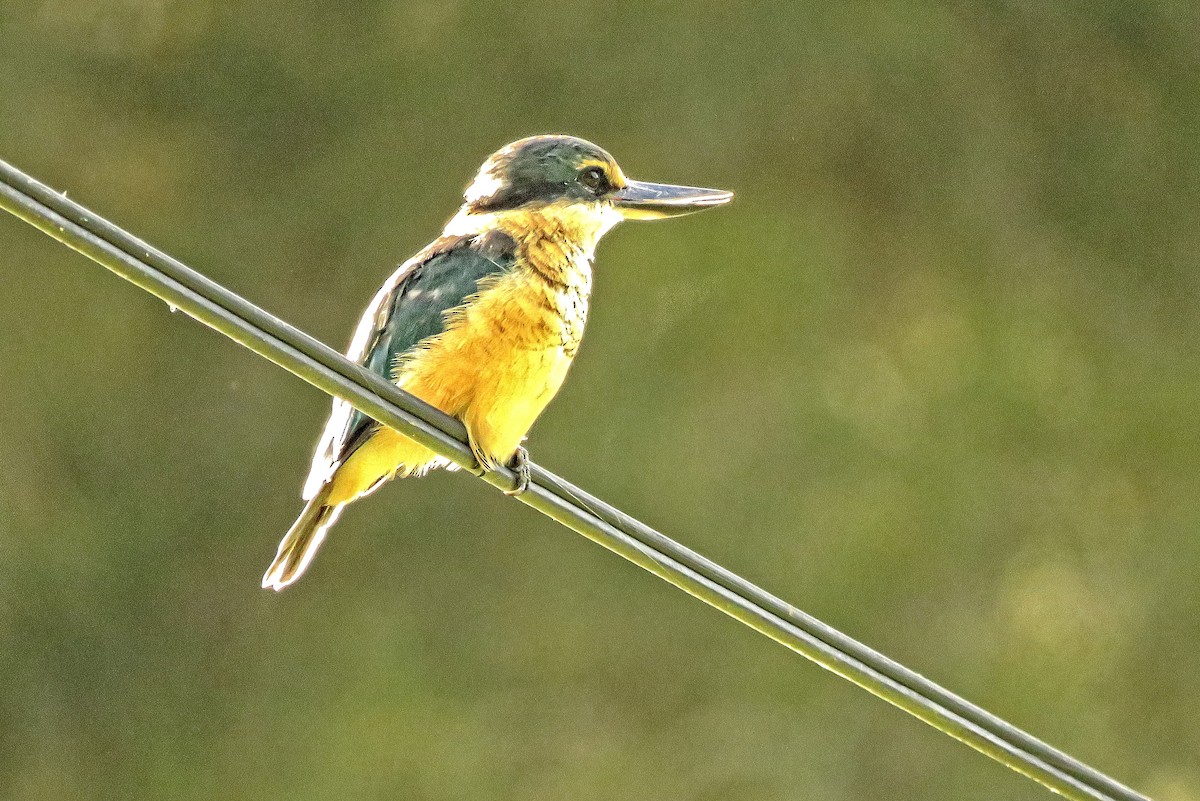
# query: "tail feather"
(300, 544)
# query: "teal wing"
(408, 309)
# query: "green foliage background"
(933, 377)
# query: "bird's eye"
(594, 179)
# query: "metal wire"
(321, 366)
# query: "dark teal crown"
(543, 169)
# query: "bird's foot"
(483, 462)
(520, 466)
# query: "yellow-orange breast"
(501, 358)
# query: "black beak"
(639, 200)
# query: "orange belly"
(495, 367)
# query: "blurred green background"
(932, 377)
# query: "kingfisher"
(483, 323)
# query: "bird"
(483, 323)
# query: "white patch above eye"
(484, 186)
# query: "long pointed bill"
(639, 200)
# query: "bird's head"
(576, 185)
